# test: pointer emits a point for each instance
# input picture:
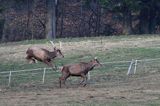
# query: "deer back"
(39, 53)
(76, 68)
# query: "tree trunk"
(98, 19)
(29, 3)
(127, 22)
(82, 17)
(152, 18)
(1, 28)
(4, 33)
(143, 24)
(152, 22)
(51, 20)
(62, 17)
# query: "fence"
(43, 75)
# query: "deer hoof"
(84, 85)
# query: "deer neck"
(53, 54)
(90, 66)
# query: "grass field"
(109, 85)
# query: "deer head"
(57, 51)
(95, 62)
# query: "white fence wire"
(132, 67)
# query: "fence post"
(135, 67)
(60, 45)
(130, 66)
(89, 76)
(101, 40)
(9, 80)
(44, 72)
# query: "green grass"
(79, 39)
(154, 103)
(114, 54)
(120, 54)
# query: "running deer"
(43, 55)
(80, 69)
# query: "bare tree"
(51, 19)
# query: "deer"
(43, 55)
(79, 69)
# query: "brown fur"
(80, 69)
(43, 55)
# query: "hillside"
(108, 85)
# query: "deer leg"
(60, 83)
(49, 60)
(33, 60)
(85, 79)
(63, 78)
(49, 64)
(30, 59)
(81, 81)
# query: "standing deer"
(80, 69)
(43, 55)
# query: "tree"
(124, 8)
(51, 19)
(149, 13)
(1, 20)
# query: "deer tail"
(28, 51)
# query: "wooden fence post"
(89, 76)
(44, 72)
(9, 80)
(60, 45)
(130, 67)
(135, 67)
